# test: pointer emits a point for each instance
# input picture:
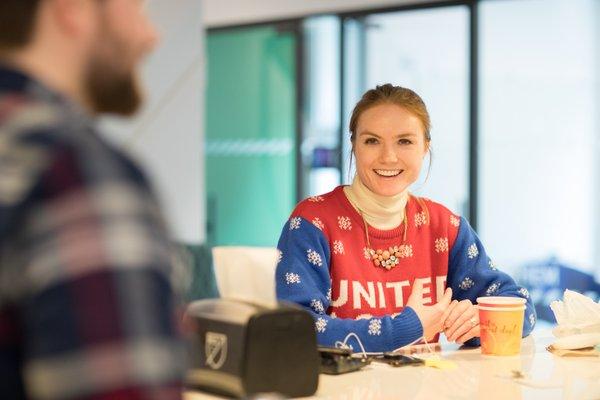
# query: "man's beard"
(110, 89)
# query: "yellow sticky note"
(436, 362)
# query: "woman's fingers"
(463, 324)
(444, 302)
(473, 332)
(415, 300)
(448, 311)
(440, 309)
(456, 312)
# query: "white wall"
(596, 150)
(230, 12)
(167, 135)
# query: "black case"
(239, 349)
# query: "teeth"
(388, 172)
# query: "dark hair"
(390, 94)
(17, 18)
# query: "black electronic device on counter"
(400, 360)
(335, 361)
(240, 349)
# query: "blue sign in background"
(547, 281)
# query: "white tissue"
(246, 273)
(580, 341)
(575, 314)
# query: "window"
(540, 126)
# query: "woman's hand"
(430, 316)
(461, 321)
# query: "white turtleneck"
(381, 212)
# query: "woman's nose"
(389, 154)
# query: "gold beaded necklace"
(385, 258)
(390, 257)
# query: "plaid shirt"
(86, 301)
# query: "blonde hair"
(390, 94)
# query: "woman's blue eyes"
(375, 141)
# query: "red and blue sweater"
(325, 267)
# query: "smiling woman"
(389, 148)
(373, 260)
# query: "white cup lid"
(501, 301)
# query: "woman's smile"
(388, 173)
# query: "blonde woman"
(373, 260)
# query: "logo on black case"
(215, 349)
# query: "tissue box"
(240, 349)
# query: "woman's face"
(389, 147)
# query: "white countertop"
(476, 377)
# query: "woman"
(373, 259)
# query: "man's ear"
(73, 17)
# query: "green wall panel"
(250, 134)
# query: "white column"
(167, 136)
(596, 143)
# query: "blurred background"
(250, 101)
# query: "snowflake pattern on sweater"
(375, 327)
(326, 268)
(295, 223)
(338, 247)
(320, 325)
(291, 278)
(420, 218)
(317, 305)
(317, 222)
(313, 257)
(466, 284)
(441, 244)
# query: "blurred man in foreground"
(86, 303)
